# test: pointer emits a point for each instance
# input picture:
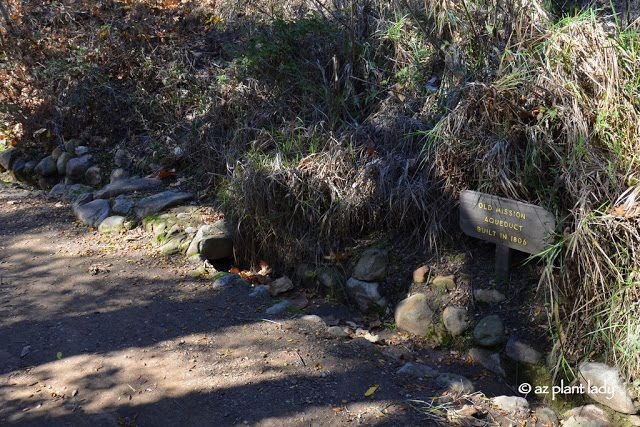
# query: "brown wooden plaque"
(521, 226)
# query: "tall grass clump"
(551, 117)
(341, 153)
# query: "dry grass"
(558, 126)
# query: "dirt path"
(99, 330)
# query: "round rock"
(365, 294)
(489, 332)
(455, 382)
(7, 158)
(56, 153)
(455, 319)
(112, 224)
(546, 416)
(46, 167)
(372, 265)
(491, 296)
(92, 213)
(118, 175)
(510, 402)
(58, 191)
(279, 308)
(414, 315)
(61, 163)
(521, 352)
(77, 167)
(605, 385)
(93, 176)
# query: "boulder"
(419, 275)
(591, 412)
(489, 332)
(47, 183)
(213, 241)
(70, 181)
(30, 167)
(313, 320)
(337, 331)
(81, 150)
(70, 146)
(123, 204)
(92, 213)
(455, 319)
(414, 315)
(175, 244)
(226, 280)
(81, 199)
(577, 421)
(546, 416)
(487, 359)
(7, 158)
(333, 281)
(281, 285)
(61, 163)
(604, 384)
(279, 308)
(372, 266)
(57, 191)
(510, 402)
(112, 224)
(127, 186)
(456, 383)
(46, 167)
(366, 295)
(93, 176)
(56, 153)
(174, 229)
(260, 291)
(77, 167)
(158, 227)
(118, 175)
(74, 191)
(153, 205)
(417, 370)
(442, 284)
(521, 352)
(121, 158)
(491, 296)
(19, 170)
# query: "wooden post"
(503, 262)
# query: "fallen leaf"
(300, 301)
(264, 268)
(371, 390)
(25, 350)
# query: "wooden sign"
(516, 225)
